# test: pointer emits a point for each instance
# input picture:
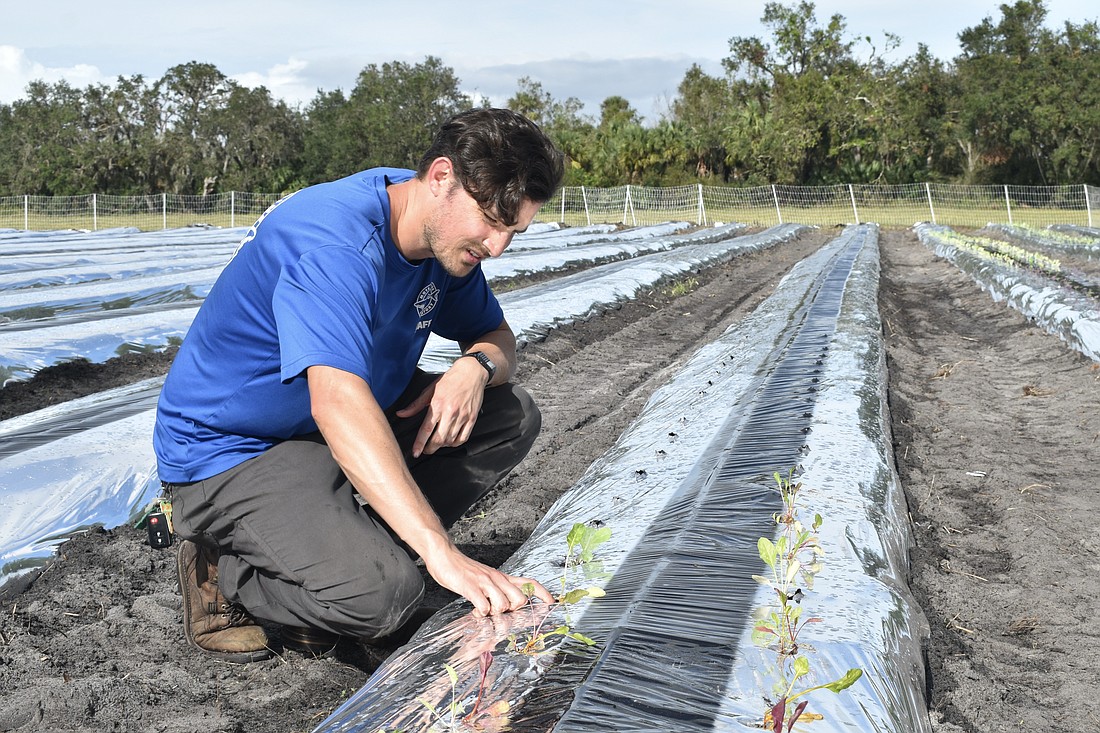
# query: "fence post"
(232, 208)
(164, 210)
(1008, 205)
(27, 208)
(702, 218)
(95, 215)
(1088, 206)
(852, 195)
(563, 205)
(628, 205)
(584, 198)
(928, 190)
(775, 197)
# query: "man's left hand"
(453, 402)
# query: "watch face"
(485, 361)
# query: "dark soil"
(995, 426)
(79, 378)
(996, 431)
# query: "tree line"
(808, 104)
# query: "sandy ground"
(996, 427)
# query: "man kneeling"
(308, 460)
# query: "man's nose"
(497, 242)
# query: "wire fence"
(902, 205)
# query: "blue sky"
(589, 50)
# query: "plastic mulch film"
(117, 239)
(59, 421)
(536, 310)
(27, 347)
(87, 443)
(42, 302)
(1051, 239)
(542, 260)
(593, 234)
(70, 268)
(1072, 316)
(101, 476)
(687, 492)
(124, 310)
(1093, 232)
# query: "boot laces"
(236, 614)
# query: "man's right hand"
(362, 443)
(490, 591)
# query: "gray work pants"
(298, 549)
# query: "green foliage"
(793, 556)
(582, 541)
(387, 120)
(806, 103)
(1030, 109)
(580, 544)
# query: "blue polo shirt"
(316, 281)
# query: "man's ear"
(440, 176)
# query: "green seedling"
(781, 630)
(793, 558)
(580, 544)
(582, 541)
(535, 642)
(682, 287)
(778, 720)
(449, 717)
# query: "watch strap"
(484, 360)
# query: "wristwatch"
(484, 361)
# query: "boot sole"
(310, 642)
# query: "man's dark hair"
(500, 157)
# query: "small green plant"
(582, 541)
(450, 716)
(447, 717)
(682, 287)
(779, 720)
(580, 544)
(795, 556)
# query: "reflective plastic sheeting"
(51, 245)
(1047, 239)
(73, 268)
(592, 234)
(52, 423)
(102, 476)
(1073, 317)
(542, 260)
(536, 310)
(687, 492)
(1093, 232)
(101, 313)
(96, 338)
(106, 294)
(66, 431)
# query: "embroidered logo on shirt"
(427, 300)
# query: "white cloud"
(16, 71)
(285, 81)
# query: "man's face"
(460, 234)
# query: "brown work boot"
(212, 624)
